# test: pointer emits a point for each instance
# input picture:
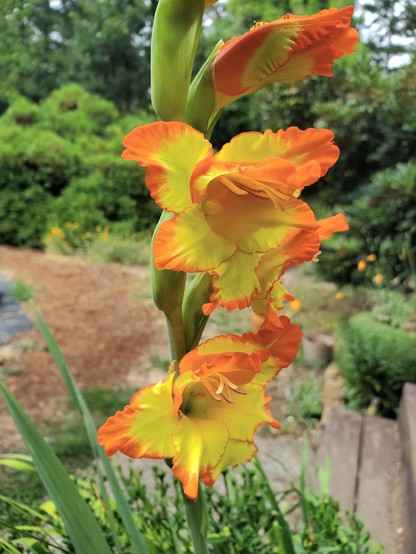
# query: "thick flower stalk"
(236, 214)
(204, 419)
(287, 49)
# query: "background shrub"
(376, 360)
(61, 164)
(382, 222)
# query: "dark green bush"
(23, 215)
(60, 162)
(72, 111)
(376, 360)
(23, 112)
(382, 222)
(384, 217)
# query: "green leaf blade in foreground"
(138, 542)
(284, 534)
(80, 523)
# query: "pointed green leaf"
(79, 520)
(138, 542)
(18, 465)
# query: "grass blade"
(79, 520)
(284, 531)
(137, 540)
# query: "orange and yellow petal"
(199, 445)
(326, 24)
(170, 150)
(275, 296)
(242, 416)
(132, 431)
(245, 62)
(187, 243)
(236, 452)
(305, 149)
(211, 349)
(292, 47)
(282, 346)
(234, 282)
(331, 225)
(253, 223)
(301, 246)
(274, 346)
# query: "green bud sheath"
(201, 108)
(167, 292)
(167, 286)
(194, 320)
(175, 37)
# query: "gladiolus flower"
(288, 49)
(205, 419)
(236, 214)
(361, 266)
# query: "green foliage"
(305, 400)
(393, 307)
(61, 163)
(22, 291)
(383, 219)
(243, 519)
(80, 523)
(100, 245)
(382, 222)
(376, 360)
(102, 45)
(326, 527)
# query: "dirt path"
(102, 318)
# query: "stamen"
(211, 390)
(227, 182)
(219, 387)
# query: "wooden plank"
(377, 479)
(340, 446)
(407, 428)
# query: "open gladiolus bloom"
(206, 417)
(290, 48)
(236, 214)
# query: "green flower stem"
(177, 342)
(194, 320)
(197, 521)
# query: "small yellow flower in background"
(378, 278)
(296, 305)
(371, 258)
(56, 231)
(339, 295)
(362, 264)
(70, 225)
